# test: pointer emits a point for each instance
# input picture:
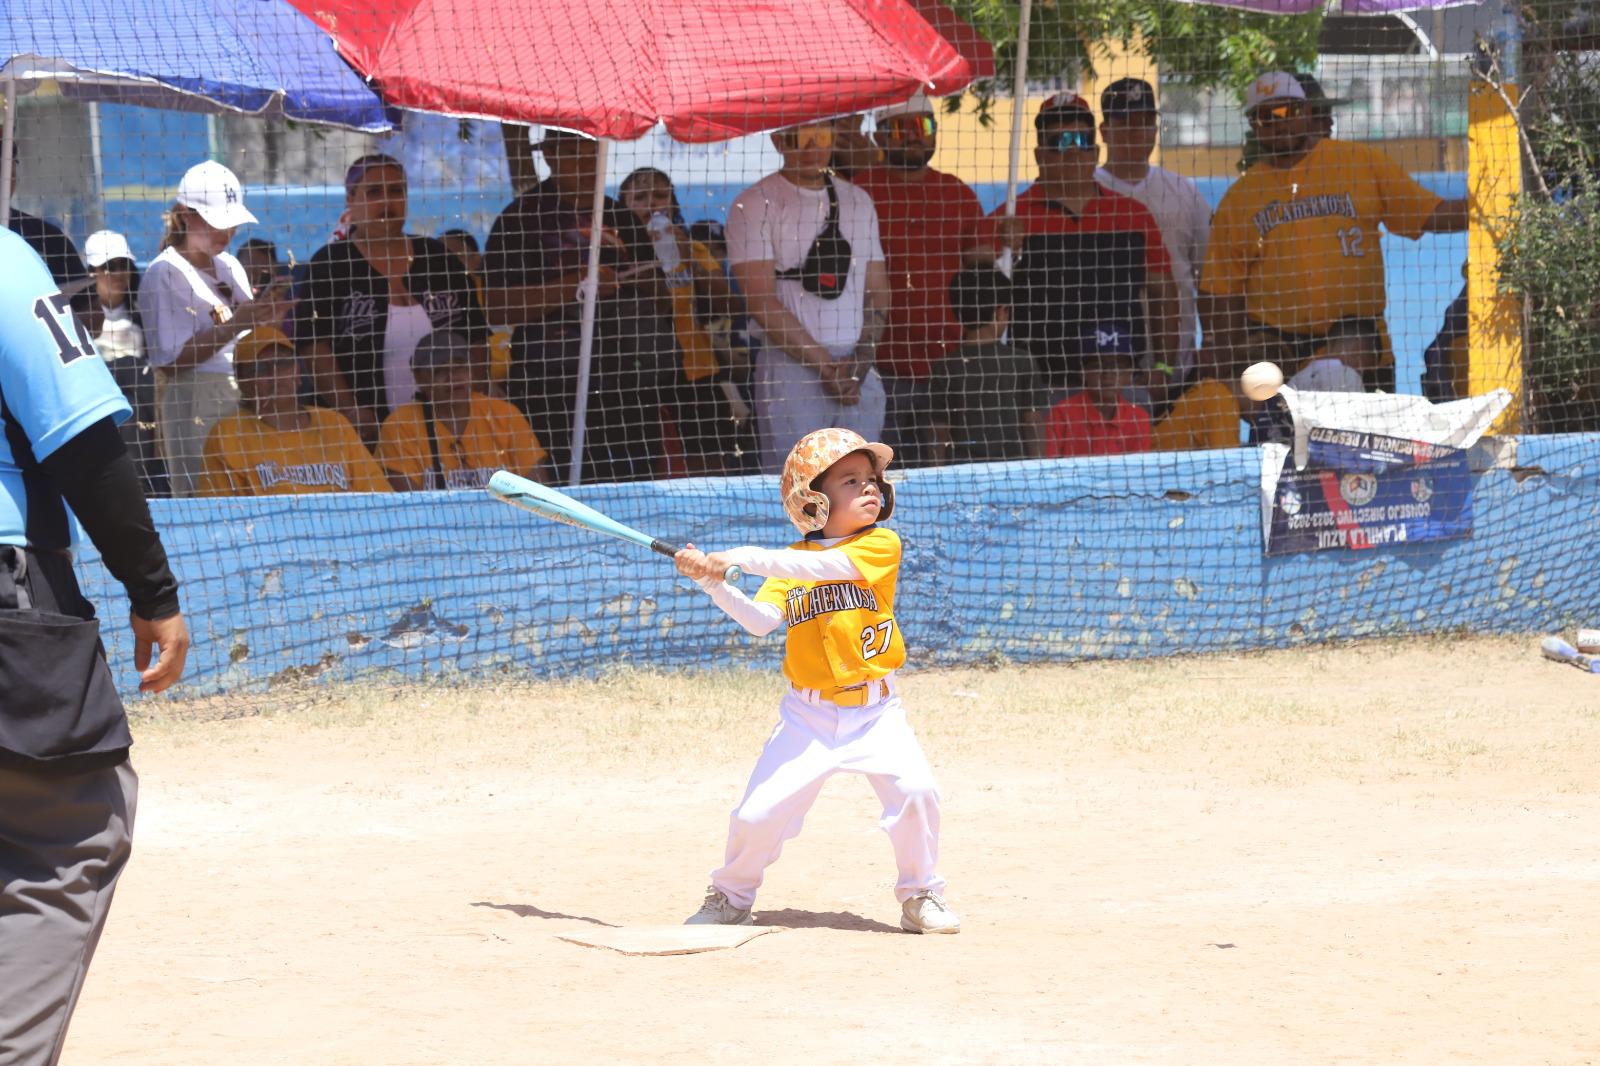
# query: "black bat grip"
(730, 575)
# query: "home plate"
(669, 939)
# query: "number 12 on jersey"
(875, 639)
(1350, 239)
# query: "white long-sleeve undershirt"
(759, 619)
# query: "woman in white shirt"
(195, 302)
(119, 337)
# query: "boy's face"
(854, 498)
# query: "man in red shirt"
(1089, 256)
(1098, 419)
(926, 218)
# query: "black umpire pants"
(66, 830)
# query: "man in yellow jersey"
(452, 436)
(833, 592)
(274, 445)
(1294, 270)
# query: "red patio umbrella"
(708, 69)
(978, 52)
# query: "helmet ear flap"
(816, 503)
(886, 487)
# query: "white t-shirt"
(120, 337)
(406, 326)
(1184, 218)
(1327, 375)
(175, 301)
(775, 221)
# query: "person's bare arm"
(720, 298)
(1225, 323)
(847, 374)
(759, 283)
(1033, 433)
(1450, 216)
(521, 304)
(268, 309)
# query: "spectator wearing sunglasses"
(805, 251)
(1294, 271)
(1090, 257)
(195, 302)
(925, 219)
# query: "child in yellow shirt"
(834, 593)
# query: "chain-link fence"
(1074, 261)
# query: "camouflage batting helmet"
(810, 459)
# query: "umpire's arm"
(96, 477)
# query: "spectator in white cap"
(196, 302)
(926, 218)
(1294, 271)
(112, 316)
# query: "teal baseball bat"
(559, 507)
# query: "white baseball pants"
(814, 740)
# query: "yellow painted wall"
(1494, 181)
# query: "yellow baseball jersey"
(1205, 416)
(496, 437)
(699, 357)
(1301, 245)
(246, 457)
(842, 633)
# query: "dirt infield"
(1387, 853)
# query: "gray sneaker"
(928, 913)
(718, 910)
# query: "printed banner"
(1362, 490)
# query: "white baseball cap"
(213, 190)
(105, 245)
(1272, 88)
(919, 104)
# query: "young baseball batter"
(834, 594)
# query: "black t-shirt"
(60, 255)
(982, 391)
(539, 237)
(345, 302)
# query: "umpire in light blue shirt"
(67, 790)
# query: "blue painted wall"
(1057, 560)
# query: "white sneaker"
(928, 913)
(719, 910)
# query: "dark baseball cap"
(1128, 96)
(1063, 109)
(1108, 338)
(1315, 96)
(440, 348)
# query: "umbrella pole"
(591, 292)
(1019, 89)
(8, 142)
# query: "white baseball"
(1261, 381)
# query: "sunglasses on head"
(1071, 140)
(910, 125)
(1279, 112)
